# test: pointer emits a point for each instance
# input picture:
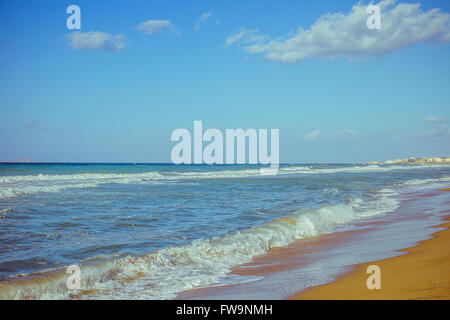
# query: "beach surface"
(422, 273)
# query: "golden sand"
(422, 273)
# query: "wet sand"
(422, 273)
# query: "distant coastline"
(412, 160)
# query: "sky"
(115, 90)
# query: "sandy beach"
(422, 273)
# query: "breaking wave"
(13, 186)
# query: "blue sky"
(335, 97)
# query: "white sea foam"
(4, 212)
(432, 182)
(13, 186)
(107, 177)
(355, 168)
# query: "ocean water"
(151, 231)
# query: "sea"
(153, 231)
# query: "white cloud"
(155, 26)
(236, 37)
(96, 40)
(346, 35)
(202, 19)
(435, 119)
(312, 135)
(246, 36)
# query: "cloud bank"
(96, 40)
(337, 35)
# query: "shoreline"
(291, 272)
(422, 273)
